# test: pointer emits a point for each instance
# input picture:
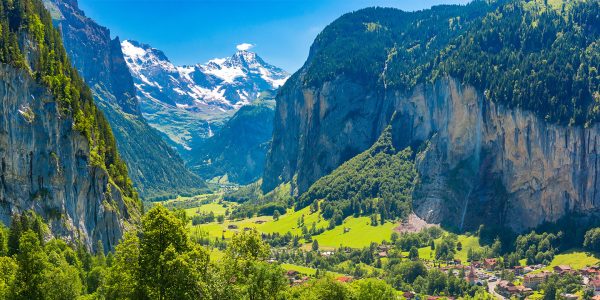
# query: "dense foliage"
(29, 42)
(378, 182)
(158, 261)
(542, 56)
(592, 240)
(360, 44)
(537, 248)
(255, 202)
(534, 55)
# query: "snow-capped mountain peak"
(221, 83)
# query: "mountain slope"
(378, 182)
(240, 147)
(489, 88)
(155, 168)
(189, 103)
(59, 157)
(327, 112)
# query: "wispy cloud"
(244, 46)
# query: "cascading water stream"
(476, 160)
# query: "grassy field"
(303, 270)
(575, 259)
(425, 253)
(217, 230)
(307, 271)
(289, 222)
(361, 233)
(467, 242)
(216, 208)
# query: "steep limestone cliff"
(504, 127)
(46, 168)
(485, 163)
(479, 162)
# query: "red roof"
(344, 279)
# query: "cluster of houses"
(532, 280)
(295, 278)
(482, 273)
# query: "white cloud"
(244, 46)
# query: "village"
(519, 282)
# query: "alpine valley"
(444, 153)
(190, 105)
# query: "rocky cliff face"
(479, 162)
(154, 167)
(45, 168)
(484, 160)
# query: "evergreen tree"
(315, 245)
(32, 264)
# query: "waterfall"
(476, 159)
(210, 132)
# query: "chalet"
(408, 295)
(504, 285)
(591, 271)
(326, 253)
(384, 247)
(524, 291)
(569, 296)
(260, 221)
(508, 289)
(533, 280)
(490, 263)
(563, 269)
(344, 279)
(382, 254)
(232, 226)
(595, 285)
(518, 270)
(291, 273)
(299, 281)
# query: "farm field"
(361, 233)
(577, 259)
(289, 222)
(216, 208)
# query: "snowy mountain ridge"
(221, 84)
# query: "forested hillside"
(30, 42)
(238, 150)
(378, 183)
(539, 56)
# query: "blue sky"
(194, 31)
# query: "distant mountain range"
(191, 104)
(221, 84)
